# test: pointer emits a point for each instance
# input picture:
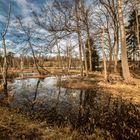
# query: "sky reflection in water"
(42, 92)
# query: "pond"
(84, 110)
(34, 93)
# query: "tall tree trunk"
(104, 58)
(59, 56)
(138, 31)
(5, 67)
(34, 57)
(110, 60)
(85, 16)
(70, 59)
(116, 54)
(89, 49)
(124, 61)
(85, 60)
(80, 51)
(116, 39)
(69, 55)
(77, 12)
(110, 52)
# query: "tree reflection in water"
(35, 94)
(116, 117)
(83, 110)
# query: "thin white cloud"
(2, 18)
(23, 5)
(8, 42)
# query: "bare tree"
(28, 33)
(5, 66)
(78, 31)
(103, 52)
(111, 8)
(125, 67)
(85, 15)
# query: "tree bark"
(104, 58)
(137, 23)
(89, 48)
(110, 52)
(35, 62)
(59, 56)
(79, 34)
(138, 38)
(85, 60)
(85, 16)
(116, 52)
(124, 61)
(5, 67)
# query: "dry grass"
(15, 125)
(96, 81)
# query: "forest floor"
(15, 125)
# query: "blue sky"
(18, 8)
(22, 8)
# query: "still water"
(85, 110)
(42, 93)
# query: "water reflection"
(85, 110)
(41, 93)
(118, 118)
(35, 94)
